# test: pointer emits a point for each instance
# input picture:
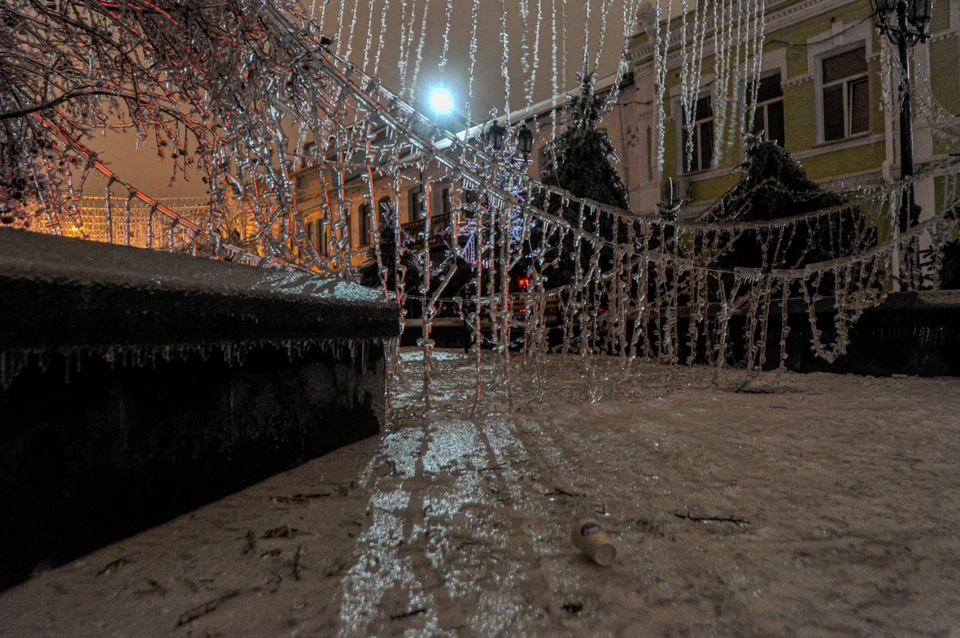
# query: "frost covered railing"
(629, 279)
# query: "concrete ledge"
(912, 333)
(61, 292)
(138, 385)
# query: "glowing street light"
(441, 101)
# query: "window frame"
(364, 227)
(415, 203)
(697, 126)
(385, 204)
(317, 233)
(847, 84)
(839, 38)
(763, 107)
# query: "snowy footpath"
(782, 505)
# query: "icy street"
(809, 505)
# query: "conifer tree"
(579, 160)
(773, 185)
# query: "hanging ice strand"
(504, 61)
(524, 9)
(423, 38)
(353, 30)
(536, 54)
(604, 14)
(623, 62)
(554, 64)
(380, 39)
(441, 65)
(341, 23)
(406, 38)
(369, 42)
(661, 52)
(753, 62)
(584, 64)
(722, 89)
(473, 59)
(690, 76)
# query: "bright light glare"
(441, 101)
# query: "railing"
(438, 225)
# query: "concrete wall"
(137, 386)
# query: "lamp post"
(525, 142)
(905, 22)
(494, 135)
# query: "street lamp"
(441, 101)
(905, 24)
(525, 142)
(494, 135)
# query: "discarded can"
(588, 536)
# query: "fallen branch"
(251, 542)
(412, 612)
(114, 566)
(202, 610)
(740, 522)
(296, 562)
(299, 498)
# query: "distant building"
(819, 96)
(447, 201)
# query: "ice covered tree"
(773, 185)
(581, 160)
(227, 92)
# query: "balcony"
(438, 226)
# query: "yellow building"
(820, 95)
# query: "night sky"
(142, 168)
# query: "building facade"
(820, 96)
(414, 195)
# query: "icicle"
(504, 60)
(423, 38)
(380, 39)
(446, 40)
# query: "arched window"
(416, 204)
(385, 210)
(364, 226)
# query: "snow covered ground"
(807, 505)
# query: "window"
(365, 227)
(416, 202)
(316, 233)
(545, 156)
(846, 95)
(385, 210)
(701, 137)
(345, 218)
(445, 205)
(768, 116)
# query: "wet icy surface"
(801, 505)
